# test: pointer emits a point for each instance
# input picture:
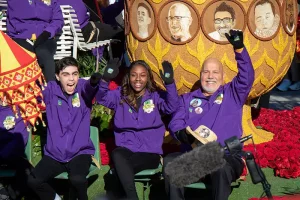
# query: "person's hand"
(235, 38)
(95, 78)
(183, 137)
(111, 70)
(41, 39)
(168, 74)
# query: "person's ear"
(57, 77)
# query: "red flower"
(112, 85)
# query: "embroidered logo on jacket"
(148, 106)
(219, 99)
(76, 100)
(9, 122)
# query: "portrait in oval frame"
(218, 17)
(142, 20)
(179, 21)
(289, 16)
(264, 19)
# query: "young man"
(219, 107)
(69, 147)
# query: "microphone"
(235, 143)
(196, 164)
(190, 167)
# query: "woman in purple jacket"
(138, 128)
(33, 24)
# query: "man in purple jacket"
(13, 139)
(69, 147)
(219, 108)
(33, 24)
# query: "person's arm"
(90, 88)
(242, 83)
(57, 21)
(107, 98)
(104, 96)
(113, 10)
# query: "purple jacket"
(13, 134)
(68, 132)
(110, 13)
(80, 10)
(142, 130)
(25, 19)
(222, 112)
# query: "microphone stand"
(234, 145)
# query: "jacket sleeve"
(107, 98)
(113, 10)
(168, 101)
(178, 121)
(46, 92)
(88, 92)
(241, 85)
(57, 21)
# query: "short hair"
(146, 7)
(262, 2)
(65, 62)
(223, 7)
(182, 5)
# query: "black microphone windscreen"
(196, 164)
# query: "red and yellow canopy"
(19, 73)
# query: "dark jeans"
(45, 56)
(220, 180)
(128, 163)
(107, 32)
(47, 168)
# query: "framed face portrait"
(289, 16)
(178, 21)
(142, 20)
(264, 19)
(219, 17)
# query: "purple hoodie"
(80, 10)
(13, 134)
(25, 19)
(222, 112)
(142, 130)
(68, 130)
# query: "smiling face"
(223, 22)
(264, 16)
(143, 17)
(68, 78)
(179, 21)
(138, 77)
(211, 76)
(289, 13)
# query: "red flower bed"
(283, 152)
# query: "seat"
(6, 173)
(146, 177)
(93, 168)
(79, 42)
(64, 41)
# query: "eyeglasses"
(225, 20)
(175, 18)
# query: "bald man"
(179, 20)
(219, 107)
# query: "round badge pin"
(195, 103)
(198, 110)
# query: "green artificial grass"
(246, 189)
